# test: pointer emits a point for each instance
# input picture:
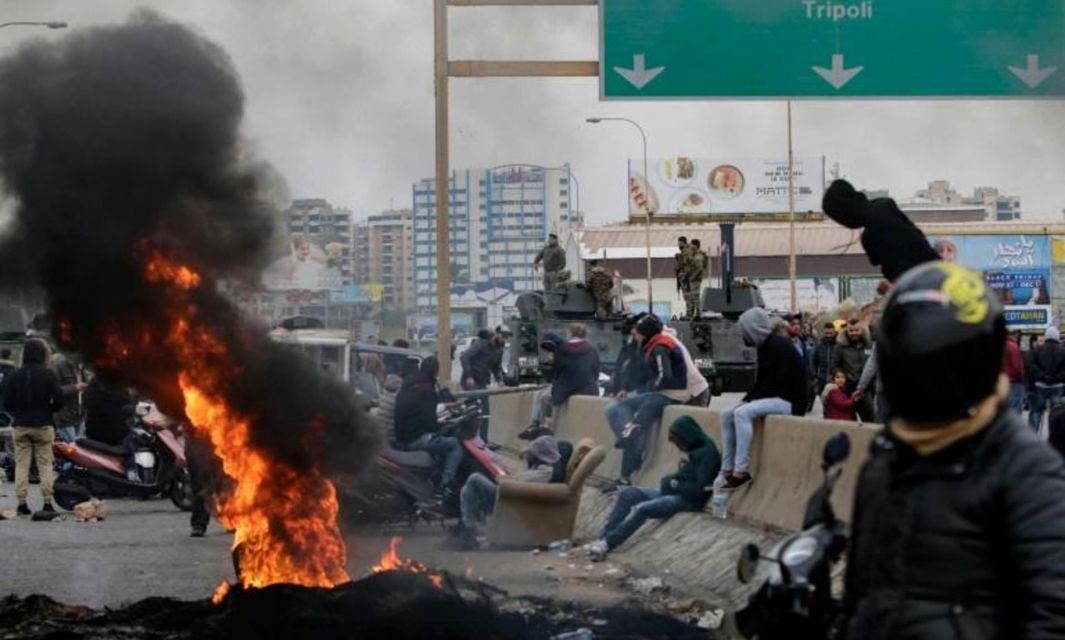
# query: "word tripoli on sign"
(835, 12)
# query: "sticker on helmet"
(966, 290)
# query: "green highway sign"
(699, 49)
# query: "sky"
(340, 101)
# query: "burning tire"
(181, 491)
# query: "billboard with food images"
(690, 186)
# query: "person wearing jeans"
(417, 426)
(779, 388)
(634, 419)
(1047, 376)
(685, 490)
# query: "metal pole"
(443, 192)
(791, 217)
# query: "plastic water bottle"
(719, 504)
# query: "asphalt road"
(144, 549)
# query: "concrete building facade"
(383, 256)
(499, 220)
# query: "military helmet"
(941, 343)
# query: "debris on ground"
(647, 586)
(378, 606)
(90, 511)
(711, 619)
(8, 514)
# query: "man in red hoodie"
(1013, 367)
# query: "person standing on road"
(32, 396)
(600, 285)
(204, 475)
(821, 362)
(797, 335)
(852, 351)
(959, 523)
(70, 417)
(553, 258)
(838, 404)
(1013, 367)
(1048, 376)
(680, 266)
(779, 388)
(687, 489)
(481, 364)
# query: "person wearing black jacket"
(482, 363)
(575, 369)
(779, 388)
(417, 426)
(959, 523)
(821, 363)
(32, 395)
(1046, 376)
(630, 370)
(890, 239)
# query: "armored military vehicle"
(713, 340)
(540, 313)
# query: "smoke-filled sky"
(339, 99)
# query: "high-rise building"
(383, 257)
(326, 231)
(998, 207)
(499, 220)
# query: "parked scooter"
(152, 462)
(402, 488)
(795, 596)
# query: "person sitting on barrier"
(575, 370)
(417, 427)
(687, 489)
(633, 418)
(779, 388)
(478, 496)
(630, 369)
(698, 387)
(837, 403)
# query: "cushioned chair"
(532, 514)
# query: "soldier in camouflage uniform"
(698, 266)
(563, 281)
(600, 285)
(680, 267)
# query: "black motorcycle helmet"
(942, 343)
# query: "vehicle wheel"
(181, 490)
(69, 493)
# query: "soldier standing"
(698, 266)
(563, 280)
(554, 259)
(600, 285)
(680, 267)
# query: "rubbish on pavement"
(647, 586)
(584, 633)
(560, 546)
(90, 511)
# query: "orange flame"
(391, 561)
(285, 521)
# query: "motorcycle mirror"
(748, 563)
(837, 449)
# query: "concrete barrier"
(582, 417)
(509, 414)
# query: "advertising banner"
(309, 262)
(1017, 267)
(1028, 318)
(685, 185)
(812, 294)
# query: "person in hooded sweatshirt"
(478, 496)
(633, 419)
(417, 426)
(32, 395)
(779, 389)
(687, 489)
(890, 239)
(958, 527)
(386, 405)
(575, 369)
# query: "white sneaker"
(627, 430)
(597, 550)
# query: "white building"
(500, 219)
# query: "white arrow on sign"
(639, 75)
(837, 76)
(1033, 76)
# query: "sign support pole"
(443, 191)
(791, 218)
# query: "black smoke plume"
(121, 141)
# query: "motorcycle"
(795, 596)
(151, 462)
(403, 486)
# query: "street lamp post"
(647, 210)
(50, 25)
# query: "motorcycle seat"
(409, 459)
(102, 447)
